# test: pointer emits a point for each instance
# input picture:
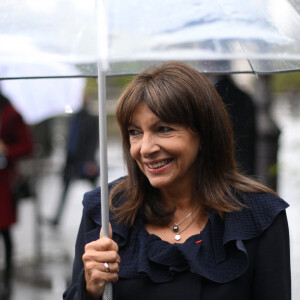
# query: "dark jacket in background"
(83, 141)
(241, 109)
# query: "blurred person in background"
(241, 109)
(15, 142)
(82, 145)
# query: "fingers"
(102, 250)
(101, 257)
(110, 267)
(101, 265)
(95, 281)
(97, 274)
(102, 244)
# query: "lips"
(159, 164)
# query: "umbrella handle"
(107, 294)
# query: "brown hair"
(177, 93)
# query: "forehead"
(142, 112)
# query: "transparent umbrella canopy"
(214, 36)
(40, 99)
(112, 37)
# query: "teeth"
(159, 164)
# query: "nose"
(149, 145)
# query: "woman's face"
(165, 152)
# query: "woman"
(185, 223)
(15, 142)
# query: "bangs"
(169, 101)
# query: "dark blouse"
(245, 256)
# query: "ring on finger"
(106, 267)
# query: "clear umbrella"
(254, 36)
(124, 37)
(40, 99)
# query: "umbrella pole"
(103, 165)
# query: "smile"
(159, 164)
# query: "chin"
(159, 183)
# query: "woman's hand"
(101, 264)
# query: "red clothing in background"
(16, 136)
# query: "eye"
(164, 129)
(133, 132)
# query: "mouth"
(158, 165)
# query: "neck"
(182, 197)
(184, 204)
(181, 202)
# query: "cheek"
(135, 154)
(193, 149)
(134, 150)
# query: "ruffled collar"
(217, 253)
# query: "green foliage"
(92, 87)
(116, 82)
(285, 82)
(119, 81)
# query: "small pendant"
(175, 228)
(177, 237)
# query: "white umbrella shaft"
(103, 155)
(102, 68)
(103, 165)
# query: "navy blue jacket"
(243, 257)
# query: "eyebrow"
(132, 125)
(152, 125)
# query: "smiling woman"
(186, 224)
(164, 152)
